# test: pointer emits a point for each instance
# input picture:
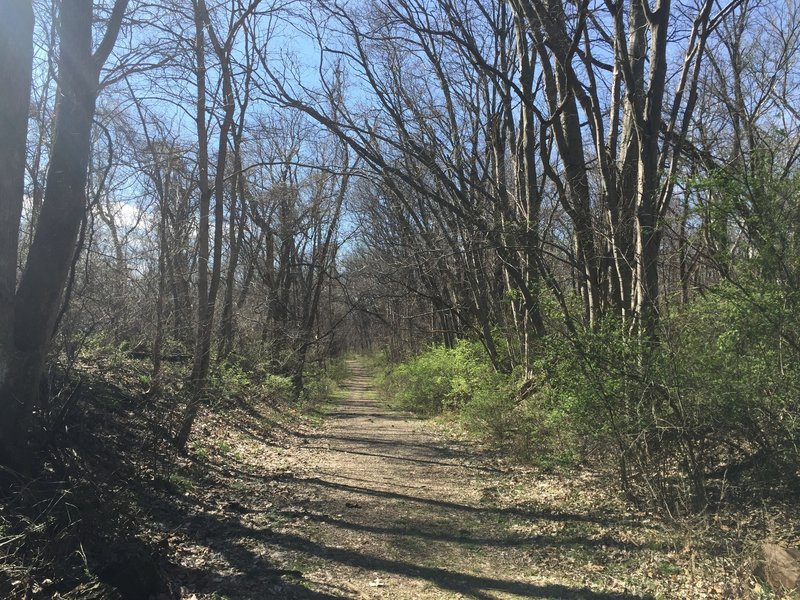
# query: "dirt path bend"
(389, 508)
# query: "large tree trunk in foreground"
(39, 296)
(50, 256)
(16, 56)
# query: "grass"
(181, 482)
(316, 411)
(223, 446)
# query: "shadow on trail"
(365, 415)
(231, 568)
(227, 537)
(243, 556)
(432, 449)
(462, 536)
(463, 583)
(253, 584)
(421, 461)
(523, 513)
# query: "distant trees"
(523, 139)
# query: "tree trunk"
(16, 56)
(40, 291)
(202, 347)
(42, 284)
(236, 221)
(648, 232)
(208, 290)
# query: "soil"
(373, 503)
(346, 499)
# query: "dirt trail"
(375, 504)
(386, 507)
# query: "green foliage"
(318, 389)
(439, 380)
(714, 406)
(494, 410)
(322, 381)
(759, 203)
(337, 370)
(570, 400)
(236, 381)
(720, 390)
(729, 357)
(277, 387)
(461, 381)
(497, 406)
(229, 381)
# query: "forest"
(399, 299)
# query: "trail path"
(371, 503)
(387, 507)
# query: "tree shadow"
(227, 536)
(445, 451)
(257, 583)
(514, 511)
(230, 567)
(421, 461)
(462, 536)
(345, 415)
(474, 586)
(247, 574)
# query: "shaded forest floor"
(350, 500)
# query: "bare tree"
(38, 297)
(209, 282)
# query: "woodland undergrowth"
(87, 526)
(705, 419)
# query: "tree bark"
(16, 56)
(39, 296)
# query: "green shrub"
(277, 387)
(230, 381)
(721, 389)
(322, 380)
(493, 408)
(713, 406)
(736, 374)
(440, 379)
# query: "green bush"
(440, 379)
(462, 382)
(736, 374)
(230, 381)
(277, 387)
(713, 406)
(319, 388)
(321, 380)
(525, 416)
(493, 409)
(717, 396)
(337, 370)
